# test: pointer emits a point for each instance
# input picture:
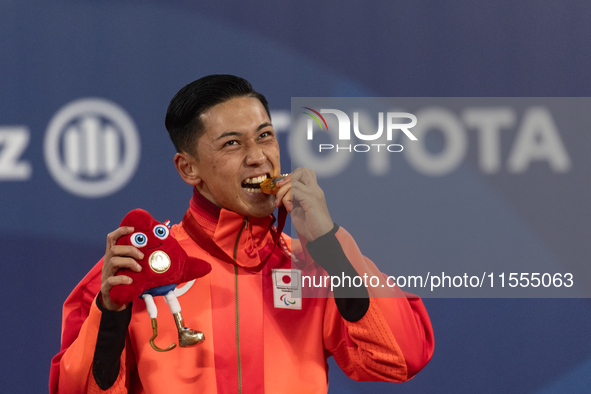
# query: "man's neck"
(206, 213)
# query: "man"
(226, 146)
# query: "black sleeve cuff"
(109, 345)
(352, 302)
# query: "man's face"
(238, 146)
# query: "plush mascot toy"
(164, 266)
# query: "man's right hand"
(116, 257)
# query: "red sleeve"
(393, 340)
(71, 368)
(75, 312)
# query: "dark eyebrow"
(239, 134)
(264, 125)
(228, 134)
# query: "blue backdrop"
(136, 55)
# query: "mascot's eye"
(161, 231)
(139, 239)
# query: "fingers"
(306, 194)
(283, 196)
(284, 181)
(126, 251)
(118, 280)
(118, 262)
(112, 237)
(107, 285)
(305, 186)
(307, 176)
(305, 190)
(121, 256)
(118, 257)
(309, 211)
(110, 278)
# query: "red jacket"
(251, 346)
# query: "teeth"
(257, 179)
(251, 190)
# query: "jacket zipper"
(237, 319)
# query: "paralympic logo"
(284, 299)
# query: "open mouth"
(253, 185)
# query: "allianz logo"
(91, 148)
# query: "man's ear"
(187, 167)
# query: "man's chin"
(260, 213)
(257, 204)
(260, 210)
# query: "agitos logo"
(344, 130)
(287, 302)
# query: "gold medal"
(269, 185)
(159, 262)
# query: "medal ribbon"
(200, 237)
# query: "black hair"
(183, 115)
